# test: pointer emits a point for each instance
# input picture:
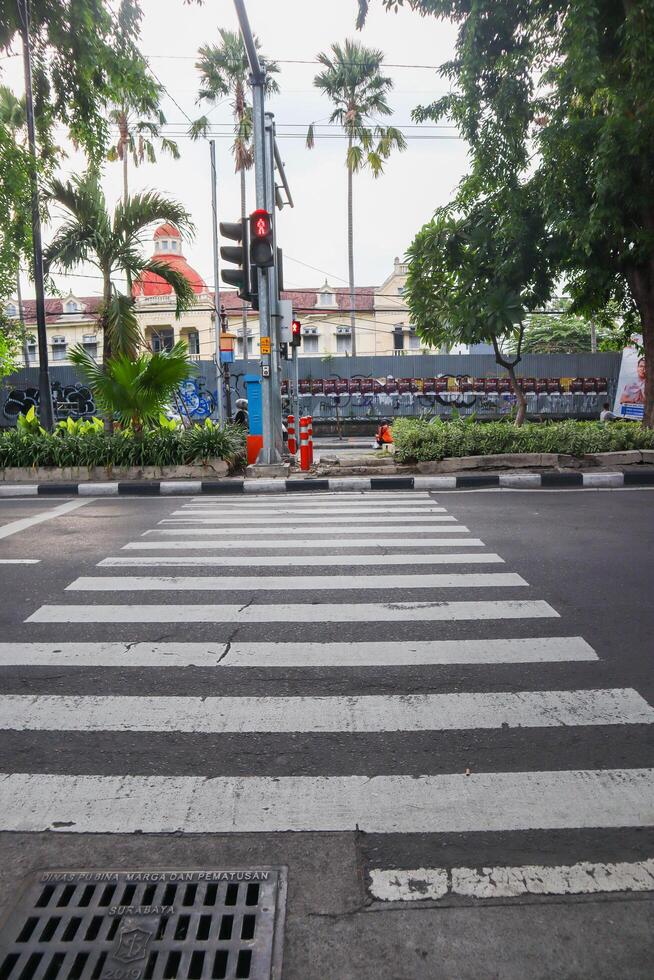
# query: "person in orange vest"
(384, 436)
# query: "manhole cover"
(137, 925)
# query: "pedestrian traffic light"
(296, 333)
(236, 231)
(262, 253)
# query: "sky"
(387, 211)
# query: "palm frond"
(311, 141)
(133, 216)
(198, 128)
(121, 326)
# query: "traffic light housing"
(296, 333)
(236, 231)
(262, 252)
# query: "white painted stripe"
(25, 522)
(322, 544)
(324, 612)
(292, 583)
(316, 529)
(412, 495)
(18, 490)
(379, 713)
(584, 878)
(97, 489)
(307, 507)
(348, 523)
(303, 561)
(19, 561)
(449, 803)
(350, 513)
(543, 649)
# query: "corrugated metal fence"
(404, 396)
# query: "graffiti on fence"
(73, 401)
(198, 402)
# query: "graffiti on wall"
(73, 401)
(198, 402)
(486, 397)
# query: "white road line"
(316, 529)
(292, 583)
(379, 713)
(329, 495)
(584, 878)
(365, 612)
(544, 649)
(382, 510)
(302, 561)
(322, 544)
(15, 526)
(263, 521)
(19, 561)
(450, 803)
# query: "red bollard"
(310, 437)
(305, 460)
(290, 426)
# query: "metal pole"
(296, 388)
(593, 337)
(275, 357)
(45, 391)
(216, 280)
(268, 453)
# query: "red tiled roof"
(55, 307)
(167, 231)
(150, 284)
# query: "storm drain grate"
(147, 925)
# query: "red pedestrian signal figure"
(296, 333)
(262, 253)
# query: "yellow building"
(382, 319)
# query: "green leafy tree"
(353, 82)
(224, 73)
(563, 90)
(112, 243)
(135, 391)
(138, 128)
(85, 58)
(567, 333)
(9, 348)
(474, 275)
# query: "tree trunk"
(641, 282)
(509, 366)
(244, 309)
(125, 191)
(106, 343)
(350, 252)
(21, 320)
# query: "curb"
(554, 479)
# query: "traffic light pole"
(273, 287)
(216, 289)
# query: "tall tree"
(13, 123)
(564, 89)
(352, 80)
(112, 243)
(138, 128)
(224, 73)
(476, 272)
(83, 56)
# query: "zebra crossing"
(321, 620)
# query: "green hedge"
(158, 447)
(420, 440)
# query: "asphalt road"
(445, 732)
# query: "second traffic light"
(262, 252)
(236, 231)
(296, 333)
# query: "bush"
(420, 440)
(162, 446)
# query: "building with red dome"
(168, 248)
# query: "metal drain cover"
(147, 925)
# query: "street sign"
(264, 345)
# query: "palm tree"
(136, 138)
(112, 243)
(353, 82)
(135, 391)
(224, 72)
